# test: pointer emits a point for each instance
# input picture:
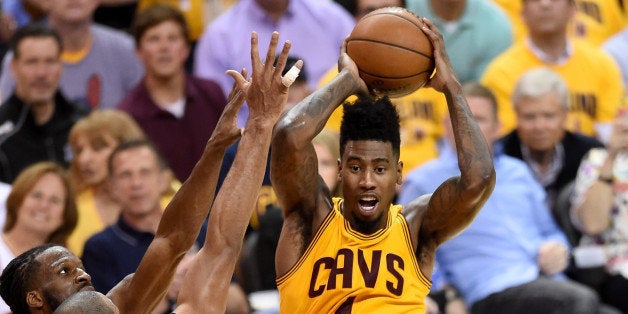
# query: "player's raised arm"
(181, 221)
(455, 202)
(294, 165)
(293, 160)
(206, 284)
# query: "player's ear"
(34, 299)
(339, 172)
(400, 172)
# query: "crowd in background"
(546, 80)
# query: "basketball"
(393, 55)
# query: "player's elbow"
(482, 183)
(286, 131)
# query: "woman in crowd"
(40, 209)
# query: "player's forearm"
(301, 124)
(474, 156)
(186, 212)
(236, 199)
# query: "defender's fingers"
(283, 57)
(343, 48)
(254, 51)
(239, 80)
(270, 54)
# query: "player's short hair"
(17, 278)
(369, 119)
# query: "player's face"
(138, 181)
(91, 157)
(163, 49)
(61, 274)
(541, 121)
(37, 69)
(369, 175)
(41, 212)
(547, 16)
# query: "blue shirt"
(482, 33)
(113, 253)
(499, 249)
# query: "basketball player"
(39, 280)
(362, 253)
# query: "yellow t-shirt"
(593, 79)
(88, 224)
(343, 271)
(597, 20)
(421, 117)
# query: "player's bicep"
(450, 209)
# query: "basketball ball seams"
(389, 44)
(398, 16)
(393, 55)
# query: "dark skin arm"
(180, 223)
(294, 166)
(206, 283)
(455, 203)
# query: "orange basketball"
(392, 53)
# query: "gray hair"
(540, 82)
